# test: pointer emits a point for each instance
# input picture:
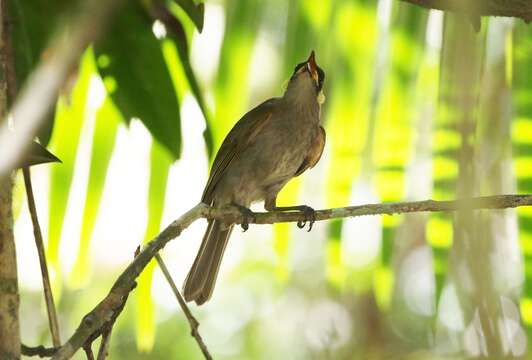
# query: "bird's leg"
(247, 216)
(310, 213)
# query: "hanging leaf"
(32, 25)
(347, 116)
(103, 141)
(64, 143)
(520, 76)
(178, 37)
(132, 66)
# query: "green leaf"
(178, 38)
(106, 125)
(194, 12)
(135, 74)
(231, 95)
(33, 22)
(159, 167)
(64, 144)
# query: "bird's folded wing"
(241, 136)
(314, 153)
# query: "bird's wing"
(314, 153)
(241, 135)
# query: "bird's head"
(305, 85)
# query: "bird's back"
(263, 150)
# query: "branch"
(478, 203)
(112, 303)
(47, 289)
(37, 98)
(39, 351)
(121, 288)
(512, 8)
(194, 324)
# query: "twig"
(194, 324)
(104, 345)
(48, 296)
(113, 302)
(36, 99)
(88, 351)
(39, 351)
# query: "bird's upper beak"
(313, 67)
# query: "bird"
(274, 142)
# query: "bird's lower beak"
(313, 66)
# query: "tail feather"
(201, 278)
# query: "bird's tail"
(201, 278)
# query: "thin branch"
(194, 324)
(104, 345)
(88, 351)
(511, 8)
(37, 98)
(483, 202)
(113, 302)
(39, 351)
(48, 296)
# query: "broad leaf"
(135, 74)
(103, 142)
(64, 144)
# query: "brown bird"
(271, 144)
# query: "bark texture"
(9, 297)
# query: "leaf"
(38, 154)
(106, 125)
(519, 59)
(347, 124)
(159, 167)
(64, 143)
(179, 39)
(33, 22)
(135, 74)
(195, 12)
(231, 93)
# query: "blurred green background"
(419, 106)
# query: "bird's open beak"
(313, 67)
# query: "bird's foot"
(247, 217)
(310, 214)
(310, 217)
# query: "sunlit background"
(409, 92)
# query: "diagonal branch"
(47, 288)
(112, 303)
(511, 8)
(194, 324)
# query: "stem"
(48, 296)
(194, 324)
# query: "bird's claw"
(247, 217)
(310, 216)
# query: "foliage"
(396, 130)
